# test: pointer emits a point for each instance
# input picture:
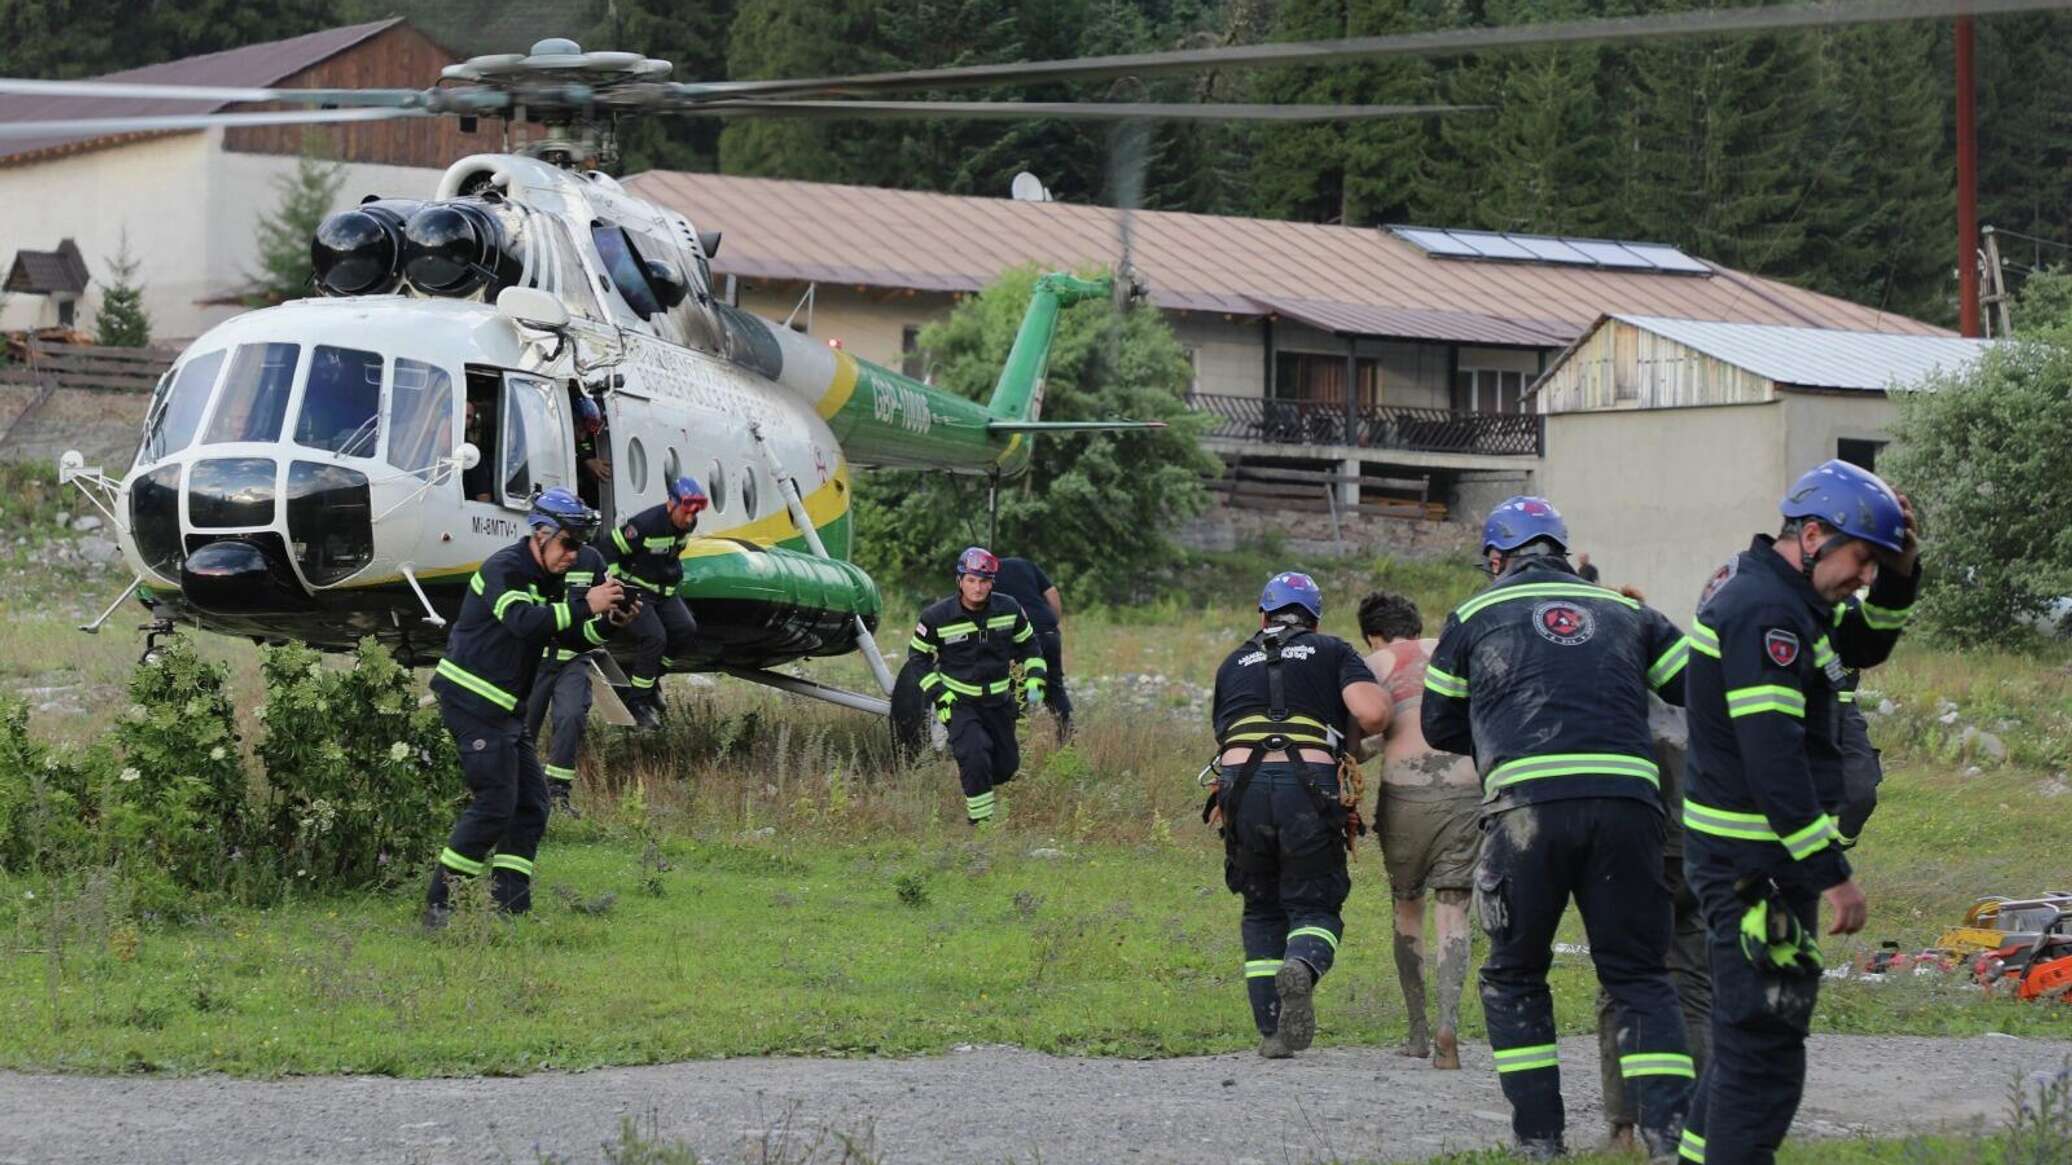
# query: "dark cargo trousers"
(1745, 1102)
(662, 635)
(508, 812)
(1054, 694)
(1606, 853)
(1284, 852)
(982, 739)
(1690, 969)
(562, 687)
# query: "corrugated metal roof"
(1352, 319)
(48, 272)
(252, 66)
(1820, 358)
(864, 236)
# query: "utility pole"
(1967, 182)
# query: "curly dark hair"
(1389, 616)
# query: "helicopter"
(336, 467)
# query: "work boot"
(1296, 985)
(436, 916)
(564, 801)
(1273, 1047)
(1446, 1050)
(1546, 1149)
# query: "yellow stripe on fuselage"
(841, 390)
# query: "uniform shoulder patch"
(1781, 646)
(1568, 624)
(1721, 577)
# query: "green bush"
(356, 772)
(48, 797)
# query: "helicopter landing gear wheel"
(154, 631)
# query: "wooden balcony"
(1314, 424)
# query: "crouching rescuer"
(562, 687)
(516, 604)
(647, 553)
(1544, 679)
(1287, 704)
(974, 638)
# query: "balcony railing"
(1302, 422)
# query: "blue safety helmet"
(979, 561)
(558, 509)
(687, 489)
(1292, 588)
(1850, 500)
(1519, 520)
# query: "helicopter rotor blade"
(1442, 42)
(379, 98)
(96, 126)
(1066, 110)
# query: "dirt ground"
(976, 1105)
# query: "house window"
(913, 363)
(1310, 376)
(1859, 452)
(1486, 390)
(67, 312)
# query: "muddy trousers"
(1760, 1015)
(1284, 852)
(1691, 971)
(562, 690)
(1606, 853)
(508, 812)
(662, 635)
(982, 739)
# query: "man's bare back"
(1407, 760)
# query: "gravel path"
(979, 1105)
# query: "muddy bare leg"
(1450, 916)
(1409, 946)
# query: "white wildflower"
(217, 753)
(137, 712)
(399, 751)
(130, 774)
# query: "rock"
(701, 680)
(64, 517)
(87, 524)
(1949, 717)
(2055, 787)
(1992, 746)
(1967, 739)
(1887, 707)
(99, 551)
(1974, 771)
(1046, 854)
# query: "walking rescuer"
(1287, 704)
(974, 638)
(647, 552)
(516, 604)
(1774, 639)
(563, 682)
(1544, 679)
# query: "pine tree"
(306, 197)
(122, 322)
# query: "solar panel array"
(1499, 247)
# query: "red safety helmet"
(979, 561)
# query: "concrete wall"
(870, 324)
(1660, 497)
(1229, 354)
(1311, 536)
(1817, 420)
(191, 212)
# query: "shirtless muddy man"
(1425, 817)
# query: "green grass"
(819, 902)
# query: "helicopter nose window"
(420, 417)
(624, 265)
(177, 413)
(254, 397)
(155, 519)
(341, 405)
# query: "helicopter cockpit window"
(341, 404)
(625, 267)
(561, 272)
(177, 413)
(420, 417)
(254, 398)
(536, 444)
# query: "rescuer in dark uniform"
(1544, 678)
(1863, 768)
(1025, 583)
(973, 639)
(1286, 703)
(563, 683)
(592, 468)
(647, 553)
(1773, 639)
(516, 604)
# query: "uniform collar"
(1763, 548)
(1521, 570)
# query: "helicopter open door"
(519, 423)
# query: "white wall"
(1229, 355)
(1818, 420)
(191, 211)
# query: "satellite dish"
(1028, 188)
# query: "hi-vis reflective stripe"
(1027, 633)
(1766, 698)
(636, 580)
(960, 687)
(565, 655)
(1665, 668)
(1527, 1059)
(643, 681)
(1693, 1148)
(1574, 590)
(1823, 652)
(1000, 622)
(476, 684)
(949, 629)
(562, 616)
(475, 584)
(1573, 764)
(1330, 939)
(1755, 827)
(504, 601)
(1038, 663)
(1262, 968)
(1704, 640)
(513, 863)
(559, 773)
(580, 578)
(1846, 695)
(1445, 683)
(593, 631)
(1886, 618)
(1657, 1064)
(661, 545)
(461, 863)
(980, 807)
(619, 540)
(919, 644)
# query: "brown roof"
(253, 66)
(62, 271)
(1352, 280)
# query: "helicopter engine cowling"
(360, 251)
(461, 246)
